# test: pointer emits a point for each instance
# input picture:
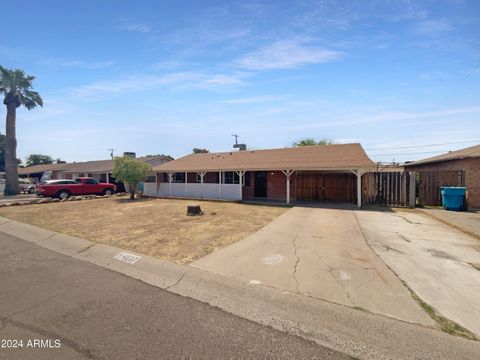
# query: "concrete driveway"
(435, 260)
(321, 253)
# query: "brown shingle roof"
(41, 168)
(472, 151)
(97, 166)
(322, 157)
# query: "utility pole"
(111, 152)
(236, 138)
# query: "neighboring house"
(310, 173)
(39, 171)
(465, 161)
(100, 170)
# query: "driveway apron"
(322, 253)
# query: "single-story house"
(310, 173)
(38, 171)
(466, 161)
(100, 170)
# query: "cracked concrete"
(435, 262)
(295, 266)
(358, 333)
(323, 255)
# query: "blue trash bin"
(453, 198)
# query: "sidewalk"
(357, 333)
(466, 221)
(17, 198)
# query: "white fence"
(194, 190)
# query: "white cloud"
(250, 100)
(433, 75)
(78, 63)
(141, 28)
(183, 80)
(287, 54)
(432, 27)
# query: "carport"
(312, 173)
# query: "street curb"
(357, 333)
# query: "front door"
(260, 184)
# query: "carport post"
(287, 174)
(359, 174)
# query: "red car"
(64, 188)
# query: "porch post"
(359, 188)
(156, 183)
(219, 184)
(108, 178)
(170, 178)
(240, 174)
(186, 181)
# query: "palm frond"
(18, 84)
(30, 99)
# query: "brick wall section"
(248, 191)
(276, 186)
(471, 166)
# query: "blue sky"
(164, 77)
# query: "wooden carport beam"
(287, 174)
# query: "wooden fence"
(429, 183)
(386, 188)
(393, 188)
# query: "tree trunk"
(11, 172)
(131, 190)
(193, 210)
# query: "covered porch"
(284, 185)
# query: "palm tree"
(17, 88)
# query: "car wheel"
(108, 192)
(31, 191)
(62, 195)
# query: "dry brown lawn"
(156, 227)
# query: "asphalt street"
(57, 307)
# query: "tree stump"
(194, 210)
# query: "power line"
(477, 65)
(409, 153)
(422, 146)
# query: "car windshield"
(60, 181)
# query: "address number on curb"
(128, 258)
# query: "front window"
(179, 177)
(231, 177)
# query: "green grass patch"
(448, 326)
